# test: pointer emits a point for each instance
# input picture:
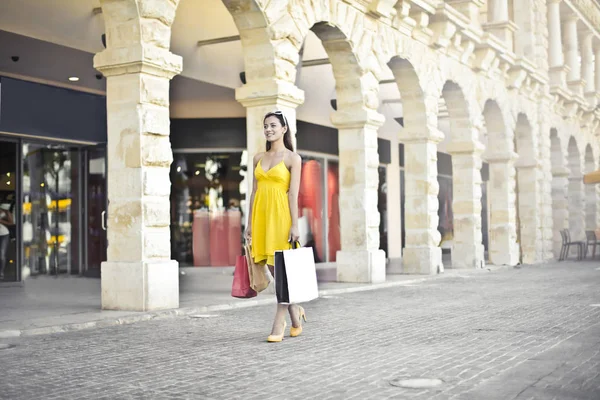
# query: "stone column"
(503, 247)
(560, 205)
(591, 207)
(499, 23)
(545, 149)
(260, 98)
(139, 273)
(394, 216)
(360, 259)
(529, 213)
(467, 247)
(422, 254)
(571, 43)
(558, 70)
(587, 67)
(576, 207)
(597, 68)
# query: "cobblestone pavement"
(528, 333)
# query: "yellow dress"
(271, 219)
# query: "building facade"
(507, 90)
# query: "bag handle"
(295, 244)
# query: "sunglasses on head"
(279, 112)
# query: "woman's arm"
(248, 234)
(296, 168)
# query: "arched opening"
(418, 137)
(576, 192)
(353, 237)
(464, 187)
(500, 155)
(560, 185)
(591, 194)
(527, 191)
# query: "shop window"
(382, 209)
(446, 222)
(310, 207)
(333, 217)
(207, 199)
(51, 205)
(8, 212)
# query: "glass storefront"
(207, 199)
(8, 212)
(51, 202)
(56, 195)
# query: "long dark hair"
(287, 136)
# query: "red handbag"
(241, 280)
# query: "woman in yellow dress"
(273, 218)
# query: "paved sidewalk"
(49, 304)
(517, 334)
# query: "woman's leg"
(280, 313)
(294, 310)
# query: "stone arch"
(560, 184)
(591, 194)
(576, 191)
(357, 120)
(465, 148)
(260, 61)
(503, 248)
(420, 137)
(528, 189)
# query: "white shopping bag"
(300, 277)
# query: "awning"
(592, 177)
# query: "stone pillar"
(529, 214)
(560, 205)
(576, 207)
(571, 43)
(587, 68)
(260, 98)
(503, 247)
(546, 182)
(360, 259)
(394, 215)
(139, 273)
(498, 10)
(499, 23)
(467, 247)
(422, 254)
(597, 68)
(558, 70)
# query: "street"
(515, 333)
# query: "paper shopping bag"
(296, 275)
(241, 280)
(259, 273)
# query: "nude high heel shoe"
(301, 316)
(277, 338)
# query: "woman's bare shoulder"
(257, 157)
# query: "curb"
(186, 311)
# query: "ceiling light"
(8, 174)
(42, 185)
(7, 183)
(197, 172)
(73, 78)
(178, 169)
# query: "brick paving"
(528, 333)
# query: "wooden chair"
(566, 246)
(591, 240)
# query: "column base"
(503, 250)
(422, 260)
(140, 286)
(363, 266)
(467, 256)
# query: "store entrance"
(52, 204)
